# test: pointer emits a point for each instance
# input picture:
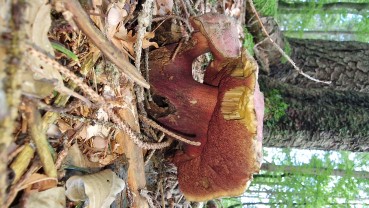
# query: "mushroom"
(225, 114)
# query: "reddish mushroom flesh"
(225, 115)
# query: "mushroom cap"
(232, 153)
(221, 32)
(226, 117)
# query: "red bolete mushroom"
(225, 113)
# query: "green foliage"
(234, 202)
(311, 180)
(332, 23)
(248, 42)
(275, 107)
(65, 51)
(266, 7)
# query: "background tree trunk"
(346, 64)
(319, 118)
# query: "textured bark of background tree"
(319, 118)
(346, 64)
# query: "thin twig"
(280, 49)
(67, 144)
(145, 194)
(184, 9)
(177, 49)
(189, 27)
(169, 133)
(144, 21)
(190, 9)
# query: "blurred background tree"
(328, 40)
(313, 115)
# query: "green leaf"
(65, 51)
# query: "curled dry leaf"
(38, 181)
(116, 14)
(99, 143)
(163, 7)
(54, 197)
(129, 40)
(76, 158)
(98, 189)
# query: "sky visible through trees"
(329, 20)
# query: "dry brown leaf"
(39, 182)
(63, 126)
(99, 143)
(98, 189)
(118, 142)
(76, 158)
(116, 14)
(53, 131)
(163, 7)
(54, 197)
(108, 159)
(129, 40)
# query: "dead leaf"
(108, 159)
(54, 197)
(76, 158)
(98, 189)
(118, 142)
(129, 40)
(63, 126)
(38, 182)
(99, 143)
(53, 131)
(163, 7)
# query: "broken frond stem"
(189, 27)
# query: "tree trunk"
(346, 64)
(319, 118)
